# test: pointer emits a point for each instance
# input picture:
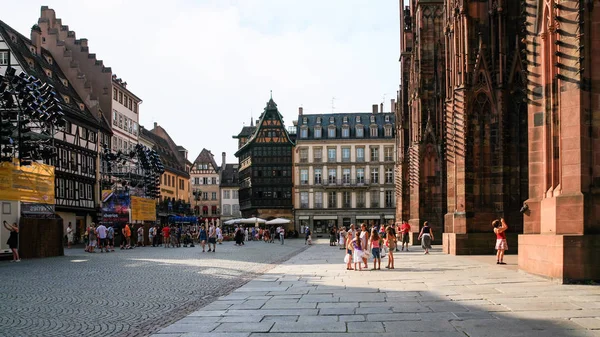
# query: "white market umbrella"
(252, 221)
(232, 221)
(278, 221)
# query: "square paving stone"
(208, 313)
(419, 326)
(240, 319)
(303, 327)
(337, 311)
(244, 327)
(280, 319)
(351, 318)
(317, 319)
(588, 323)
(338, 305)
(249, 304)
(289, 305)
(393, 317)
(274, 312)
(365, 327)
(191, 327)
(375, 310)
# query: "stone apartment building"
(344, 170)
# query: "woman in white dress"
(69, 236)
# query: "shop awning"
(303, 217)
(368, 217)
(390, 216)
(325, 217)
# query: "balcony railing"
(303, 182)
(317, 160)
(303, 205)
(360, 205)
(345, 160)
(360, 159)
(346, 182)
(319, 205)
(389, 204)
(331, 160)
(374, 204)
(303, 160)
(388, 158)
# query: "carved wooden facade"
(265, 172)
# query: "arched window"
(482, 134)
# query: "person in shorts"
(375, 244)
(102, 232)
(212, 238)
(110, 239)
(405, 232)
(500, 228)
(92, 238)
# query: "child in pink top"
(375, 249)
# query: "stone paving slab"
(313, 295)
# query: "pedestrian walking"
(151, 235)
(282, 234)
(500, 228)
(173, 235)
(391, 244)
(202, 238)
(69, 236)
(357, 252)
(219, 234)
(13, 240)
(342, 235)
(126, 232)
(307, 235)
(165, 235)
(426, 236)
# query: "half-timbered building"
(265, 173)
(76, 160)
(205, 186)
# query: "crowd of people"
(102, 237)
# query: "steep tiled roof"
(247, 131)
(230, 175)
(206, 157)
(20, 47)
(345, 119)
(158, 130)
(167, 155)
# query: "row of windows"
(213, 196)
(272, 151)
(69, 189)
(333, 199)
(125, 123)
(359, 175)
(206, 181)
(230, 194)
(125, 100)
(345, 119)
(359, 131)
(121, 144)
(231, 210)
(332, 154)
(71, 160)
(169, 180)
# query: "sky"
(203, 68)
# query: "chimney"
(155, 124)
(381, 110)
(36, 38)
(300, 111)
(375, 107)
(393, 105)
(224, 155)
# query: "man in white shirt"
(101, 232)
(282, 234)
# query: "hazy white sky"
(202, 67)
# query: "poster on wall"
(115, 208)
(32, 184)
(143, 209)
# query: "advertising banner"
(115, 208)
(33, 184)
(143, 209)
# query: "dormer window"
(67, 99)
(48, 72)
(304, 132)
(49, 59)
(357, 119)
(374, 131)
(360, 131)
(81, 106)
(372, 119)
(388, 130)
(387, 119)
(29, 62)
(345, 120)
(64, 82)
(304, 120)
(345, 132)
(32, 50)
(331, 120)
(318, 132)
(331, 132)
(318, 120)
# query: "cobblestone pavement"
(126, 293)
(313, 294)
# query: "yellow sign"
(143, 209)
(33, 183)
